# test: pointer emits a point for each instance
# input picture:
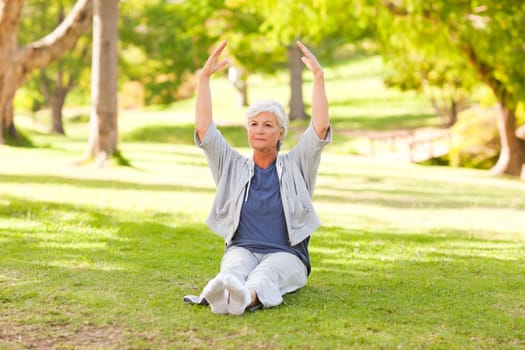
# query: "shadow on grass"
(401, 190)
(100, 184)
(21, 140)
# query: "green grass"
(407, 257)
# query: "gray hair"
(273, 107)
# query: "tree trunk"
(103, 132)
(7, 95)
(237, 76)
(16, 62)
(296, 83)
(57, 104)
(55, 85)
(242, 89)
(55, 98)
(10, 69)
(453, 115)
(512, 154)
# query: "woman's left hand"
(320, 119)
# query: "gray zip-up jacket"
(232, 172)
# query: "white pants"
(269, 275)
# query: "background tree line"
(443, 47)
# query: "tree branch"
(42, 52)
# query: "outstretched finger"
(212, 63)
(309, 59)
(216, 53)
(305, 50)
(306, 62)
(219, 49)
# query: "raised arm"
(320, 118)
(203, 104)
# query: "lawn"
(408, 256)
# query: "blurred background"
(439, 82)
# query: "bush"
(476, 139)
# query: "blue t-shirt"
(262, 225)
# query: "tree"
(163, 43)
(447, 83)
(279, 23)
(50, 85)
(55, 81)
(58, 79)
(489, 36)
(250, 50)
(103, 126)
(17, 62)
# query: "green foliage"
(259, 32)
(40, 17)
(416, 63)
(520, 115)
(249, 47)
(498, 37)
(476, 140)
(472, 41)
(164, 41)
(311, 21)
(28, 98)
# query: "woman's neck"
(264, 159)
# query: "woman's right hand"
(213, 64)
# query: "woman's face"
(264, 132)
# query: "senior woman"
(263, 207)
